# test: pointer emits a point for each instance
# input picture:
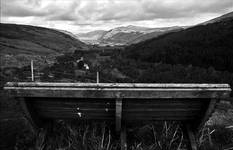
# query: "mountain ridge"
(220, 18)
(123, 35)
(19, 43)
(209, 45)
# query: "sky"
(88, 15)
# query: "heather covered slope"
(205, 46)
(20, 43)
(221, 18)
(35, 40)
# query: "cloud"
(163, 9)
(95, 14)
(65, 13)
(16, 8)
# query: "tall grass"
(71, 136)
(159, 136)
(215, 137)
(85, 135)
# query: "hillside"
(92, 37)
(205, 46)
(69, 33)
(18, 43)
(154, 34)
(221, 18)
(124, 35)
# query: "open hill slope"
(221, 18)
(17, 39)
(21, 43)
(209, 45)
(124, 35)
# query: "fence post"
(97, 77)
(32, 72)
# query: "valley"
(199, 54)
(124, 35)
(178, 56)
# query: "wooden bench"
(191, 104)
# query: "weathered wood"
(111, 90)
(182, 102)
(153, 110)
(131, 115)
(28, 114)
(123, 138)
(112, 93)
(193, 142)
(100, 117)
(118, 114)
(124, 85)
(208, 113)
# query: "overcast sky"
(87, 15)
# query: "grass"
(94, 135)
(158, 136)
(61, 135)
(217, 134)
(215, 137)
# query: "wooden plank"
(28, 115)
(158, 113)
(118, 114)
(126, 115)
(73, 105)
(208, 113)
(130, 111)
(192, 139)
(125, 85)
(158, 109)
(75, 117)
(123, 137)
(112, 93)
(107, 108)
(161, 118)
(162, 114)
(164, 102)
(100, 117)
(116, 89)
(77, 113)
(152, 103)
(110, 90)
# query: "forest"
(204, 46)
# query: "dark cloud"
(68, 14)
(162, 9)
(16, 9)
(105, 13)
(186, 8)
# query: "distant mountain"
(25, 42)
(69, 33)
(125, 35)
(91, 37)
(157, 32)
(221, 18)
(205, 45)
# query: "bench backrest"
(120, 101)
